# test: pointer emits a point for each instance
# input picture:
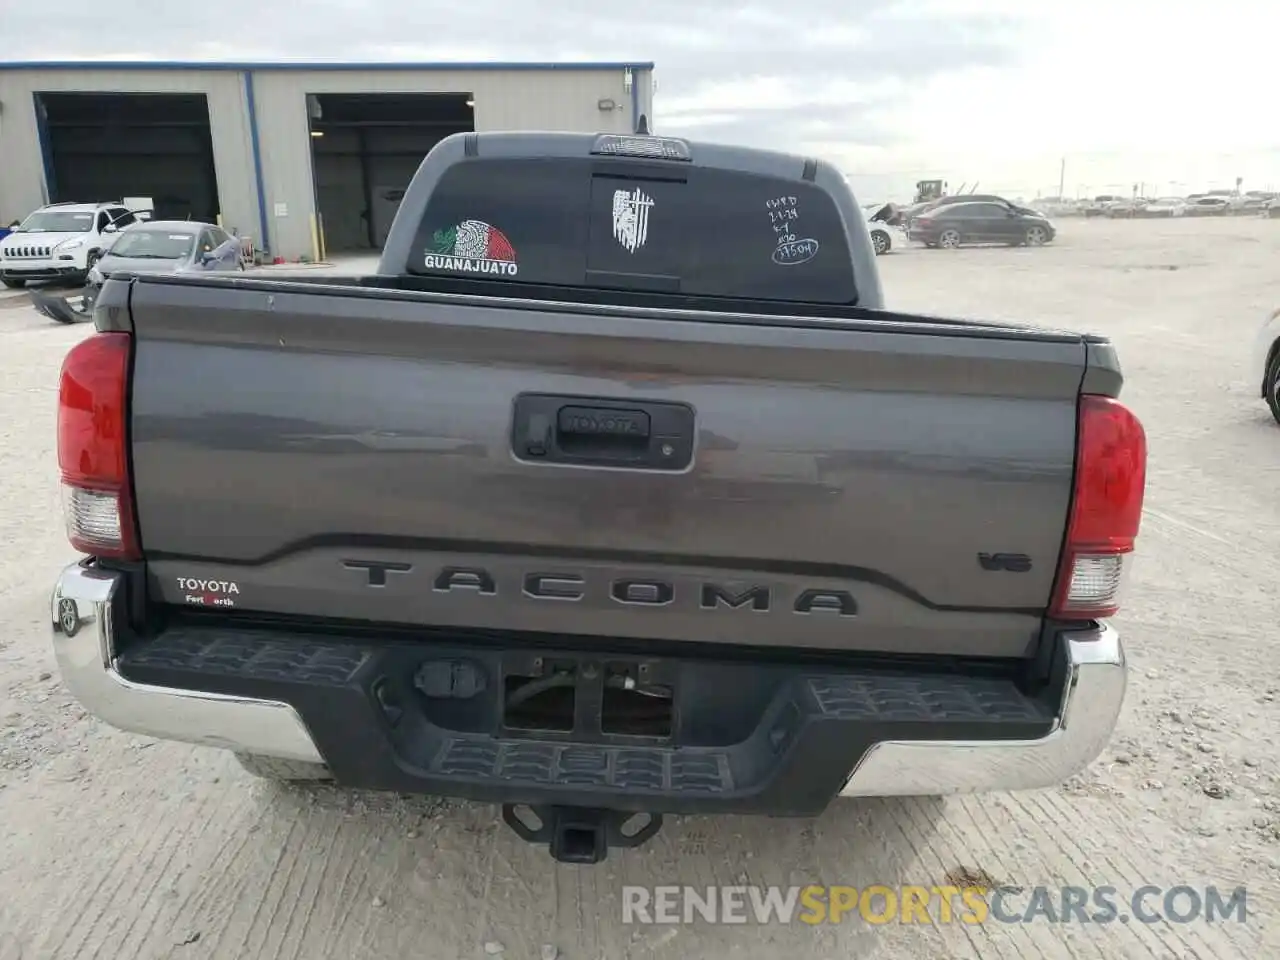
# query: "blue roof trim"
(312, 65)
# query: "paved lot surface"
(114, 846)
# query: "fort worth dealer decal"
(472, 247)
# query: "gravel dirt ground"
(114, 846)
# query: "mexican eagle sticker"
(472, 247)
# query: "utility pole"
(1062, 176)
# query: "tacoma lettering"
(467, 578)
(651, 592)
(837, 600)
(631, 591)
(377, 571)
(553, 586)
(712, 595)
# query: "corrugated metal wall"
(505, 99)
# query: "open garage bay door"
(107, 146)
(366, 148)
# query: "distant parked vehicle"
(1248, 206)
(1208, 206)
(167, 246)
(914, 210)
(961, 224)
(1060, 208)
(1259, 202)
(1097, 207)
(1122, 209)
(881, 240)
(174, 246)
(1165, 207)
(61, 241)
(1266, 360)
(977, 198)
(890, 214)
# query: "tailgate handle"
(640, 435)
(602, 433)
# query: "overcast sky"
(1177, 93)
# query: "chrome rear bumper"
(1091, 664)
(84, 644)
(1093, 693)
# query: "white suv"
(60, 240)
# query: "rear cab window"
(626, 224)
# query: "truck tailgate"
(348, 453)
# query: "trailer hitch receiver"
(580, 834)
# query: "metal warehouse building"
(301, 157)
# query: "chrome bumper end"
(84, 641)
(1093, 693)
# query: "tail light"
(1106, 510)
(93, 457)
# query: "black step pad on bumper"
(747, 737)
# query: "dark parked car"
(958, 224)
(975, 198)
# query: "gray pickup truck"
(615, 493)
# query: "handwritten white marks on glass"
(631, 218)
(784, 218)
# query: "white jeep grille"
(27, 252)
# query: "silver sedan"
(150, 246)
